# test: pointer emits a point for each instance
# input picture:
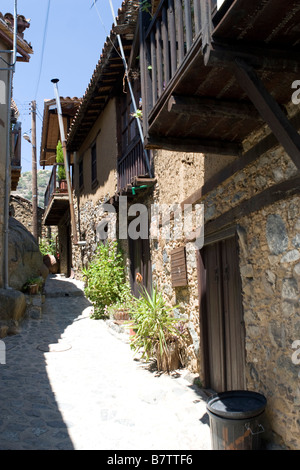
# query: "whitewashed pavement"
(73, 383)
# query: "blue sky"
(74, 37)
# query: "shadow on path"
(29, 415)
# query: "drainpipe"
(10, 71)
(64, 146)
(131, 92)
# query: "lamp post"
(34, 170)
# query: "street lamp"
(26, 137)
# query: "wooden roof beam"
(269, 109)
(207, 107)
(220, 53)
(216, 147)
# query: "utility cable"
(43, 48)
(130, 88)
(104, 28)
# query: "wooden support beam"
(265, 198)
(193, 145)
(222, 54)
(208, 107)
(269, 109)
(125, 28)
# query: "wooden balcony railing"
(51, 187)
(54, 186)
(131, 164)
(173, 30)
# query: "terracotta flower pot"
(169, 360)
(63, 187)
(33, 289)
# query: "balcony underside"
(56, 209)
(205, 108)
(210, 129)
(15, 176)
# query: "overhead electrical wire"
(122, 55)
(43, 47)
(104, 28)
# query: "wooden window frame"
(94, 165)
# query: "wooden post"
(64, 146)
(269, 109)
(206, 27)
(34, 172)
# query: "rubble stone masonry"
(269, 247)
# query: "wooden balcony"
(56, 201)
(133, 174)
(208, 73)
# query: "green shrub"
(105, 279)
(154, 324)
(47, 246)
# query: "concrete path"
(71, 382)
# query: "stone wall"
(269, 247)
(270, 271)
(178, 175)
(269, 267)
(21, 209)
(89, 216)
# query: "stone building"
(226, 94)
(221, 134)
(56, 218)
(10, 141)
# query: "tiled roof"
(99, 90)
(50, 131)
(7, 33)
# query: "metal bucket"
(236, 420)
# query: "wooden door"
(223, 315)
(233, 317)
(139, 251)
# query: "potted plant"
(61, 172)
(34, 285)
(106, 285)
(157, 332)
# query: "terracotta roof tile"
(7, 28)
(128, 14)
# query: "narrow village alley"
(73, 383)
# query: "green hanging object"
(138, 187)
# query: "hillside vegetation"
(24, 188)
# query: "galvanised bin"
(236, 420)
